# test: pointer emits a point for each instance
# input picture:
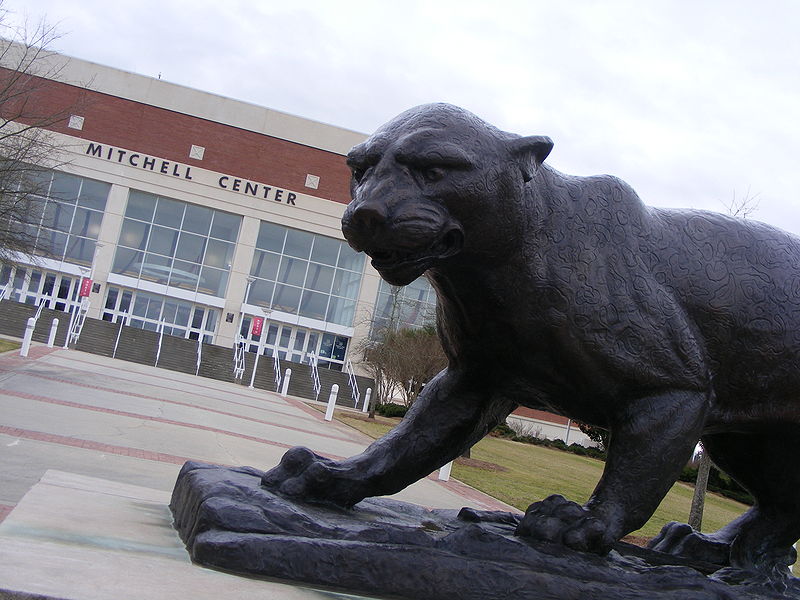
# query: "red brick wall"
(168, 134)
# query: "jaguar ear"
(530, 151)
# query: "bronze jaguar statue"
(568, 294)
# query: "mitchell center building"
(185, 212)
(196, 213)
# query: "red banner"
(86, 287)
(258, 325)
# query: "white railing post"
(26, 340)
(286, 378)
(331, 402)
(51, 340)
(444, 472)
(367, 396)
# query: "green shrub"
(391, 409)
(503, 430)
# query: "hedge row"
(507, 432)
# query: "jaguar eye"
(433, 174)
(358, 174)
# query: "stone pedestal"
(387, 547)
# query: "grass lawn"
(6, 345)
(520, 474)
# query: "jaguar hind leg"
(760, 541)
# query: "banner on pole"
(86, 287)
(258, 325)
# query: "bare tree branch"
(28, 146)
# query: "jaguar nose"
(368, 216)
(363, 222)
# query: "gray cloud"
(690, 102)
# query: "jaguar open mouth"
(399, 266)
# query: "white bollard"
(26, 340)
(367, 396)
(444, 472)
(51, 340)
(286, 377)
(331, 402)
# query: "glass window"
(265, 265)
(213, 281)
(59, 216)
(339, 348)
(292, 271)
(156, 268)
(341, 311)
(350, 259)
(225, 226)
(271, 237)
(111, 299)
(260, 293)
(52, 220)
(52, 244)
(65, 187)
(191, 247)
(286, 298)
(326, 250)
(308, 261)
(313, 305)
(326, 347)
(298, 243)
(169, 212)
(184, 275)
(125, 303)
(197, 219)
(80, 250)
(218, 254)
(140, 206)
(94, 194)
(346, 283)
(86, 223)
(319, 278)
(162, 240)
(180, 231)
(134, 234)
(140, 305)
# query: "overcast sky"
(694, 103)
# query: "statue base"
(385, 547)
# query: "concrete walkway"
(129, 423)
(89, 451)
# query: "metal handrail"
(5, 291)
(78, 316)
(42, 302)
(160, 338)
(199, 352)
(238, 358)
(351, 380)
(276, 366)
(312, 360)
(122, 322)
